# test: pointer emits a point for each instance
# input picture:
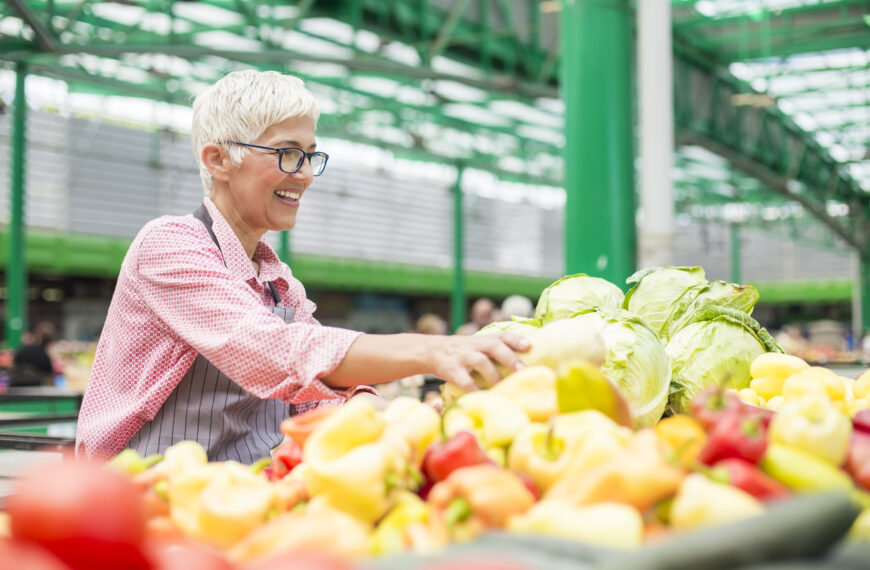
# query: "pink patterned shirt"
(176, 298)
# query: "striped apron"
(208, 407)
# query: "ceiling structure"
(476, 81)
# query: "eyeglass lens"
(291, 161)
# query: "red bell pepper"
(284, 459)
(749, 478)
(712, 403)
(858, 458)
(861, 422)
(443, 458)
(736, 434)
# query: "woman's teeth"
(288, 195)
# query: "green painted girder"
(743, 45)
(100, 256)
(767, 144)
(820, 10)
(414, 21)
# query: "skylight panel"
(367, 41)
(474, 114)
(448, 66)
(526, 113)
(207, 14)
(455, 91)
(125, 14)
(328, 28)
(401, 53)
(11, 27)
(221, 40)
(376, 85)
(305, 44)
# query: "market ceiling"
(477, 81)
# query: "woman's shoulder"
(171, 231)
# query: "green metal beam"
(765, 143)
(596, 86)
(16, 274)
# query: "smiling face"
(254, 195)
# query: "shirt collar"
(234, 253)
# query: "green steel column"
(735, 253)
(457, 291)
(596, 85)
(284, 247)
(16, 271)
(865, 294)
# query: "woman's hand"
(374, 359)
(456, 359)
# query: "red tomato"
(88, 516)
(187, 556)
(22, 555)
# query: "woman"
(209, 336)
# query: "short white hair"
(241, 106)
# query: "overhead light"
(752, 99)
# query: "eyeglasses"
(290, 158)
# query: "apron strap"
(203, 216)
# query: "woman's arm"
(381, 358)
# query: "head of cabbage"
(657, 289)
(574, 293)
(715, 346)
(722, 293)
(635, 361)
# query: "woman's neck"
(247, 235)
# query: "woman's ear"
(216, 161)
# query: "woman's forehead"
(299, 130)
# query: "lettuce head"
(574, 293)
(635, 361)
(656, 290)
(715, 346)
(722, 293)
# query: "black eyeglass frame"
(280, 152)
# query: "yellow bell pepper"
(533, 389)
(578, 440)
(803, 472)
(407, 528)
(219, 503)
(861, 388)
(638, 474)
(684, 437)
(493, 417)
(611, 525)
(815, 426)
(701, 502)
(414, 422)
(352, 466)
(318, 529)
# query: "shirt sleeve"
(183, 279)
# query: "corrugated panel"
(763, 257)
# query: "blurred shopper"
(209, 336)
(430, 323)
(482, 313)
(31, 365)
(517, 306)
